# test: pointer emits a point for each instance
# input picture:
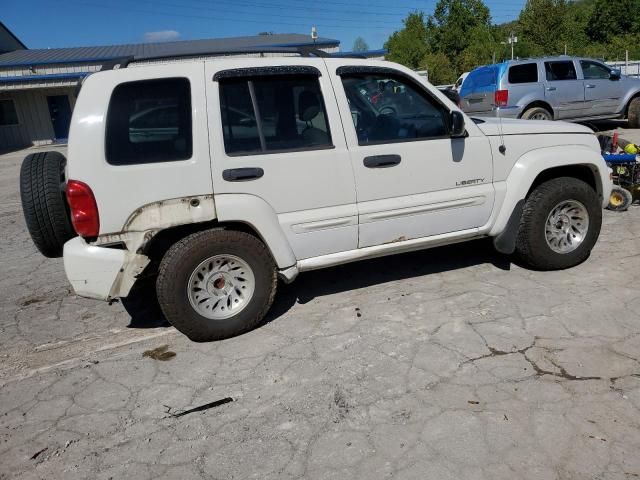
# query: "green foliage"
(359, 45)
(408, 46)
(611, 18)
(441, 72)
(452, 22)
(541, 22)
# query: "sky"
(74, 23)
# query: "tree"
(359, 45)
(611, 18)
(440, 70)
(542, 24)
(408, 45)
(451, 23)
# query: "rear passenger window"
(526, 73)
(276, 113)
(560, 71)
(149, 121)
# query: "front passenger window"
(594, 71)
(386, 109)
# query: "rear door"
(563, 90)
(477, 95)
(523, 84)
(413, 180)
(275, 134)
(602, 95)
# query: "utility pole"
(512, 40)
(565, 49)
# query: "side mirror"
(615, 74)
(456, 124)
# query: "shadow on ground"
(352, 276)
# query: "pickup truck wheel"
(633, 113)
(537, 113)
(560, 224)
(43, 202)
(216, 284)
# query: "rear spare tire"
(43, 202)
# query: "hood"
(492, 127)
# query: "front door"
(412, 179)
(60, 112)
(563, 90)
(276, 135)
(602, 95)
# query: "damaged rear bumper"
(102, 273)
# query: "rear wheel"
(43, 202)
(216, 284)
(537, 113)
(620, 199)
(560, 224)
(633, 113)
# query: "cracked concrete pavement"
(451, 363)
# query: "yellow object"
(616, 199)
(631, 149)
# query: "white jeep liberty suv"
(217, 176)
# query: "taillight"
(502, 98)
(84, 210)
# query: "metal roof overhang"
(24, 82)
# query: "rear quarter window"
(149, 121)
(525, 73)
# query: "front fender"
(255, 212)
(533, 163)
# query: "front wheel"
(560, 224)
(216, 284)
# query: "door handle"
(242, 174)
(590, 86)
(551, 89)
(381, 161)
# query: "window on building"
(275, 113)
(525, 73)
(563, 70)
(149, 121)
(385, 109)
(594, 71)
(8, 113)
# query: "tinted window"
(387, 109)
(149, 121)
(288, 114)
(526, 73)
(8, 114)
(560, 71)
(593, 70)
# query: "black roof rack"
(123, 62)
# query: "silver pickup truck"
(552, 88)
